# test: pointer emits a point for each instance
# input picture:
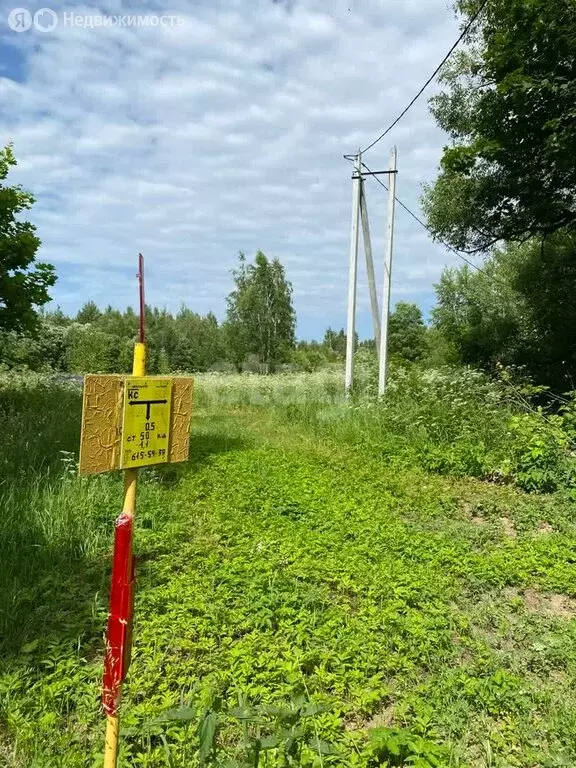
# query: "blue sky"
(224, 132)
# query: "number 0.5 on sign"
(146, 421)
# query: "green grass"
(304, 589)
(54, 526)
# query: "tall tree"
(89, 313)
(198, 341)
(235, 342)
(24, 282)
(336, 341)
(260, 315)
(509, 108)
(407, 332)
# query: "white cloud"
(226, 133)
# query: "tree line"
(505, 196)
(102, 341)
(258, 333)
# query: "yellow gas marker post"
(130, 483)
(127, 423)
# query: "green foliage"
(539, 458)
(55, 317)
(398, 746)
(42, 541)
(518, 311)
(104, 341)
(198, 342)
(453, 421)
(260, 315)
(336, 342)
(439, 350)
(24, 283)
(163, 362)
(89, 313)
(509, 110)
(312, 356)
(267, 728)
(45, 350)
(479, 316)
(407, 332)
(92, 350)
(307, 594)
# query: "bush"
(539, 458)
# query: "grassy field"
(322, 584)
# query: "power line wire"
(466, 30)
(435, 237)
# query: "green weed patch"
(300, 602)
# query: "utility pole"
(353, 274)
(370, 266)
(383, 362)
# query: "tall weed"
(450, 420)
(55, 527)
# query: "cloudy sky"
(223, 132)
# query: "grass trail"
(429, 619)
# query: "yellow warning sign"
(103, 418)
(146, 421)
